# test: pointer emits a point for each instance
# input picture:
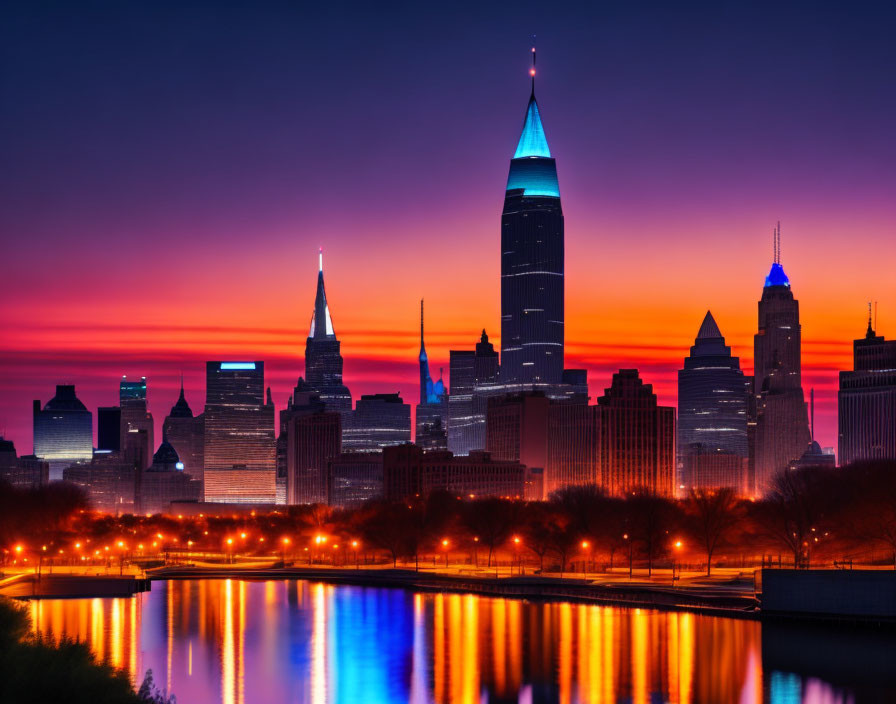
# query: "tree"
(492, 520)
(710, 516)
(650, 518)
(537, 521)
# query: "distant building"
(239, 448)
(23, 472)
(109, 480)
(323, 358)
(378, 421)
(303, 401)
(637, 438)
(532, 261)
(408, 472)
(867, 401)
(573, 446)
(517, 429)
(432, 411)
(712, 415)
(462, 434)
(782, 427)
(355, 477)
(165, 481)
(135, 414)
(312, 441)
(63, 431)
(108, 428)
(186, 434)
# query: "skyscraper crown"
(777, 277)
(533, 141)
(709, 330)
(321, 322)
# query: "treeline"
(810, 516)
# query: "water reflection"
(239, 642)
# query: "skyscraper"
(379, 420)
(532, 260)
(165, 481)
(474, 379)
(517, 429)
(63, 431)
(108, 428)
(637, 438)
(135, 415)
(782, 426)
(312, 441)
(186, 434)
(239, 447)
(323, 360)
(712, 414)
(867, 401)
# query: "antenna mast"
(532, 70)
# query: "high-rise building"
(637, 438)
(239, 448)
(474, 379)
(323, 359)
(303, 401)
(312, 441)
(135, 415)
(782, 426)
(532, 260)
(165, 481)
(432, 411)
(573, 454)
(26, 472)
(355, 477)
(379, 420)
(108, 428)
(517, 429)
(63, 431)
(186, 434)
(111, 480)
(867, 401)
(712, 415)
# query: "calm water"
(240, 642)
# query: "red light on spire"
(531, 71)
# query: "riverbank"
(723, 599)
(71, 586)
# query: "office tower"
(866, 401)
(108, 428)
(323, 360)
(637, 438)
(782, 428)
(186, 434)
(355, 477)
(110, 480)
(532, 317)
(165, 481)
(312, 441)
(575, 385)
(63, 431)
(712, 415)
(408, 472)
(379, 420)
(474, 379)
(302, 402)
(573, 449)
(432, 411)
(239, 448)
(517, 429)
(26, 472)
(134, 413)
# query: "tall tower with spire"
(186, 433)
(532, 260)
(782, 425)
(432, 411)
(323, 360)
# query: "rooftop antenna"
(421, 322)
(320, 260)
(875, 315)
(532, 70)
(812, 413)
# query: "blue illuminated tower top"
(777, 277)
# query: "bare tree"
(710, 517)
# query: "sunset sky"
(169, 170)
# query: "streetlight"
(519, 557)
(631, 550)
(355, 548)
(445, 546)
(678, 546)
(230, 549)
(585, 546)
(285, 542)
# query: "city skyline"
(643, 263)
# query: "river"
(247, 642)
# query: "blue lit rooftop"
(777, 277)
(532, 141)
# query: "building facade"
(239, 448)
(186, 434)
(866, 401)
(165, 481)
(378, 421)
(26, 472)
(712, 415)
(517, 429)
(312, 441)
(63, 431)
(354, 478)
(135, 415)
(637, 438)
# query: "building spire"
(321, 322)
(532, 70)
(422, 348)
(870, 332)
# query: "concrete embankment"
(60, 586)
(710, 600)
